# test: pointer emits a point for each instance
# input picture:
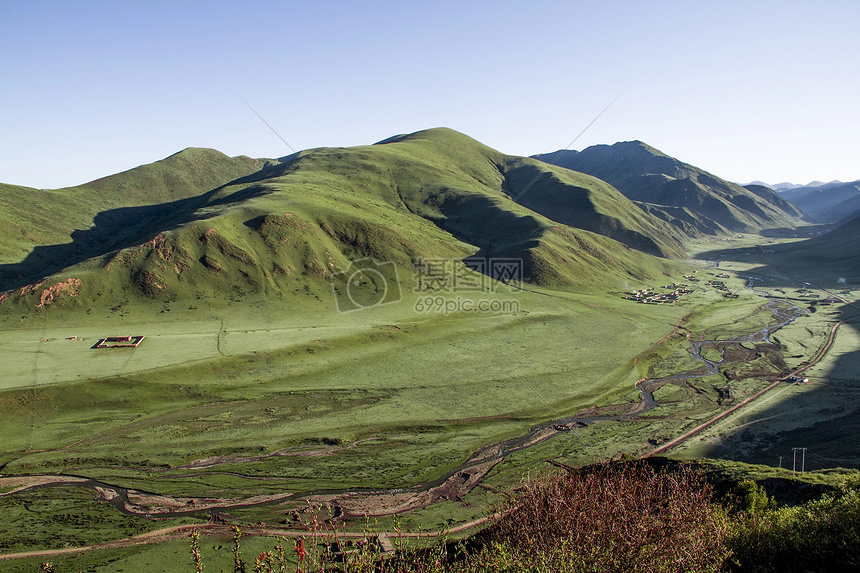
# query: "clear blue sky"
(746, 90)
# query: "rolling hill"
(696, 202)
(202, 226)
(78, 221)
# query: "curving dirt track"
(818, 357)
(182, 531)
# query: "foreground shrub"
(613, 518)
(821, 535)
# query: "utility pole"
(802, 462)
(780, 462)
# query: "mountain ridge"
(294, 223)
(36, 217)
(695, 201)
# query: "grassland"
(377, 398)
(255, 400)
(258, 400)
(250, 382)
(449, 377)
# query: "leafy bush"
(626, 517)
(749, 498)
(820, 535)
(629, 517)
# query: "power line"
(561, 152)
(839, 460)
(298, 155)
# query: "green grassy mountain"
(588, 203)
(79, 221)
(290, 225)
(694, 201)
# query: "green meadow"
(436, 386)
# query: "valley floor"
(244, 415)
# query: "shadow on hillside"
(796, 422)
(823, 419)
(117, 229)
(788, 233)
(480, 221)
(787, 266)
(285, 166)
(569, 204)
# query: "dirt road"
(698, 429)
(183, 531)
(818, 357)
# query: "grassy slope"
(821, 415)
(245, 353)
(256, 256)
(830, 256)
(34, 218)
(588, 203)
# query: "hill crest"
(695, 201)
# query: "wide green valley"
(389, 338)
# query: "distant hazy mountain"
(691, 199)
(827, 203)
(782, 187)
(201, 226)
(763, 184)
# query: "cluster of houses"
(721, 286)
(649, 296)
